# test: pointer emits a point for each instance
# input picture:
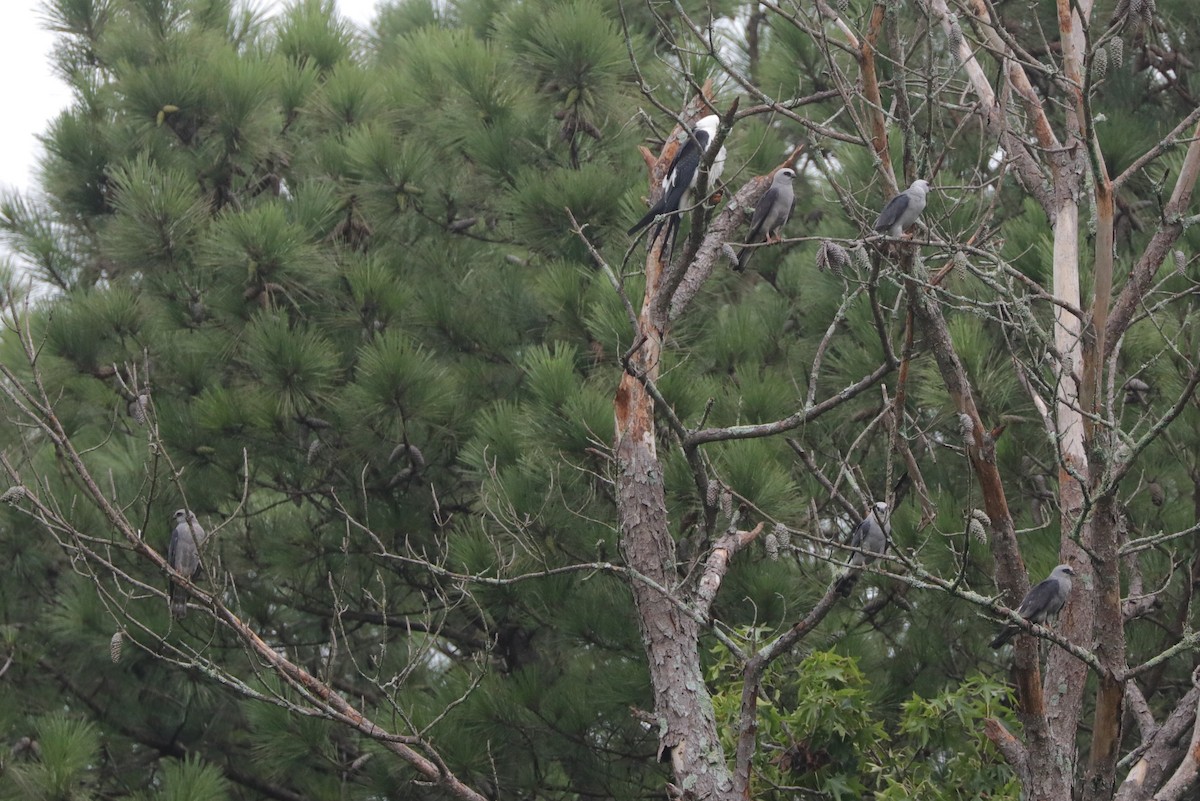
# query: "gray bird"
(1137, 392)
(904, 209)
(183, 554)
(771, 213)
(1042, 603)
(680, 180)
(872, 536)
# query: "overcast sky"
(31, 95)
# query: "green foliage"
(338, 275)
(297, 367)
(56, 761)
(542, 197)
(396, 382)
(160, 216)
(311, 33)
(822, 729)
(192, 780)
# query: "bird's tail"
(845, 585)
(1004, 636)
(671, 227)
(642, 223)
(178, 602)
(743, 257)
(670, 224)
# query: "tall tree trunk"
(687, 727)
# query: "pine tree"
(294, 298)
(327, 291)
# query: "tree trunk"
(687, 727)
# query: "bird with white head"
(904, 209)
(771, 213)
(1042, 603)
(680, 180)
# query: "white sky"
(31, 95)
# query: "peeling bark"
(870, 78)
(682, 705)
(1169, 230)
(1161, 751)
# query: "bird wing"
(791, 206)
(876, 536)
(198, 533)
(764, 209)
(892, 212)
(681, 175)
(181, 551)
(1040, 601)
(859, 535)
(870, 539)
(642, 223)
(869, 535)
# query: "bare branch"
(722, 554)
(1185, 775)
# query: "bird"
(1137, 392)
(681, 178)
(903, 210)
(1042, 603)
(871, 537)
(771, 213)
(183, 554)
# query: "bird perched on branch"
(1042, 603)
(871, 537)
(183, 554)
(903, 210)
(771, 213)
(681, 178)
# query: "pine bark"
(687, 728)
